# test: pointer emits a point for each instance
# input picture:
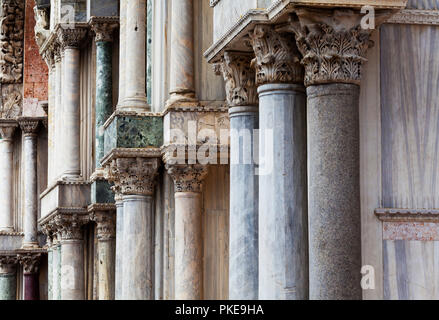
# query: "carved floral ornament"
(103, 29)
(105, 225)
(332, 43)
(29, 126)
(239, 78)
(188, 178)
(133, 176)
(30, 262)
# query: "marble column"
(8, 279)
(188, 181)
(29, 128)
(106, 235)
(243, 103)
(335, 51)
(58, 131)
(103, 29)
(6, 172)
(135, 178)
(182, 88)
(122, 52)
(135, 56)
(49, 58)
(49, 244)
(72, 258)
(31, 264)
(283, 236)
(56, 267)
(70, 41)
(119, 246)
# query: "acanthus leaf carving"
(105, 225)
(30, 262)
(70, 37)
(277, 58)
(239, 78)
(188, 178)
(332, 43)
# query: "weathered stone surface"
(334, 192)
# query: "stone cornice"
(413, 16)
(103, 27)
(407, 215)
(277, 13)
(170, 154)
(131, 153)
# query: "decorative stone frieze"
(11, 41)
(188, 178)
(103, 28)
(30, 262)
(333, 45)
(239, 78)
(71, 38)
(134, 176)
(277, 58)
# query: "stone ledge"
(408, 215)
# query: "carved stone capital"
(30, 262)
(188, 178)
(29, 126)
(103, 28)
(239, 78)
(71, 38)
(106, 225)
(333, 45)
(69, 227)
(7, 129)
(8, 264)
(133, 176)
(277, 58)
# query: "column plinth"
(188, 181)
(283, 237)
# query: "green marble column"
(104, 96)
(8, 278)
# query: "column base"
(182, 99)
(135, 104)
(30, 245)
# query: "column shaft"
(71, 102)
(58, 133)
(51, 126)
(30, 192)
(6, 186)
(283, 254)
(137, 248)
(50, 273)
(104, 94)
(122, 51)
(31, 286)
(56, 271)
(135, 59)
(119, 250)
(106, 249)
(243, 246)
(8, 286)
(72, 270)
(334, 191)
(182, 50)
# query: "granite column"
(188, 181)
(334, 51)
(6, 171)
(283, 236)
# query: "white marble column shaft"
(119, 248)
(72, 267)
(6, 185)
(135, 56)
